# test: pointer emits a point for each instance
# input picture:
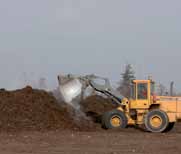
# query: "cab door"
(142, 95)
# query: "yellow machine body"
(137, 107)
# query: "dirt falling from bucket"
(76, 113)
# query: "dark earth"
(33, 121)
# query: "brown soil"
(104, 142)
(30, 109)
(95, 106)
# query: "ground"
(98, 142)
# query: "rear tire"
(114, 119)
(156, 121)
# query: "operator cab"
(141, 93)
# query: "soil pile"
(29, 109)
(95, 106)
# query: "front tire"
(114, 119)
(156, 121)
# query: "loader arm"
(106, 89)
(72, 86)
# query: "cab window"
(142, 91)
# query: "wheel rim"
(156, 121)
(116, 121)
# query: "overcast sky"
(43, 38)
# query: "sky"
(43, 38)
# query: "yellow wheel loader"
(156, 113)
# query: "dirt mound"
(30, 109)
(95, 106)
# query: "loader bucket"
(70, 90)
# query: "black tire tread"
(164, 117)
(106, 119)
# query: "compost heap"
(31, 109)
(96, 106)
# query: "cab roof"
(142, 81)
